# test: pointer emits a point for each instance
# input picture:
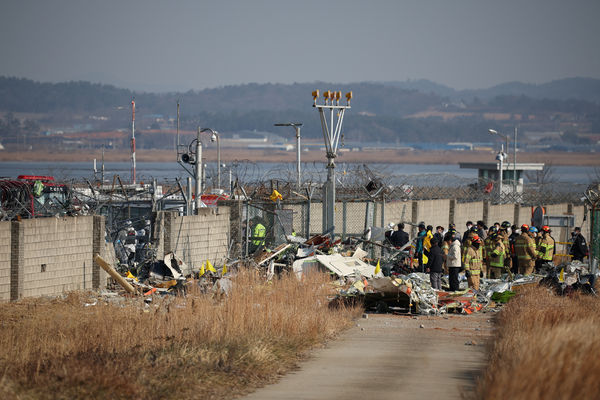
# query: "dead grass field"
(546, 347)
(192, 347)
(369, 156)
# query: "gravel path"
(392, 357)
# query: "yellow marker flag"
(209, 267)
(224, 269)
(275, 196)
(202, 271)
(561, 278)
(377, 268)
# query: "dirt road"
(392, 357)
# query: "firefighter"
(503, 233)
(258, 235)
(487, 248)
(545, 248)
(579, 249)
(526, 252)
(473, 261)
(497, 254)
(468, 238)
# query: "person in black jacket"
(434, 265)
(579, 248)
(399, 238)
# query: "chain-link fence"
(366, 198)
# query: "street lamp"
(296, 126)
(215, 138)
(494, 132)
(198, 174)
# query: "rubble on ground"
(386, 284)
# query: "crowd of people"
(483, 252)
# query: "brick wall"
(4, 261)
(57, 255)
(197, 238)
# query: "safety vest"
(546, 248)
(258, 234)
(497, 254)
(38, 188)
(525, 247)
(427, 241)
(473, 260)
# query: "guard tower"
(510, 174)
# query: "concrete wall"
(5, 261)
(48, 256)
(434, 212)
(500, 213)
(464, 212)
(196, 238)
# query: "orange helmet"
(545, 228)
(476, 239)
(524, 228)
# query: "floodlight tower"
(331, 135)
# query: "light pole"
(331, 135)
(213, 138)
(500, 157)
(296, 126)
(199, 166)
(494, 132)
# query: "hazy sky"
(194, 44)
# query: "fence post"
(308, 207)
(516, 214)
(451, 211)
(344, 219)
(486, 212)
(415, 215)
(382, 211)
(368, 215)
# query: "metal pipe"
(218, 161)
(515, 162)
(188, 202)
(299, 179)
(198, 170)
(296, 126)
(500, 157)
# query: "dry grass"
(547, 347)
(192, 347)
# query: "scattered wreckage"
(389, 286)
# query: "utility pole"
(296, 126)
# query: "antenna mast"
(133, 140)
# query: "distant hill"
(417, 110)
(587, 89)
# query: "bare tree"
(543, 177)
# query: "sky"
(181, 45)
